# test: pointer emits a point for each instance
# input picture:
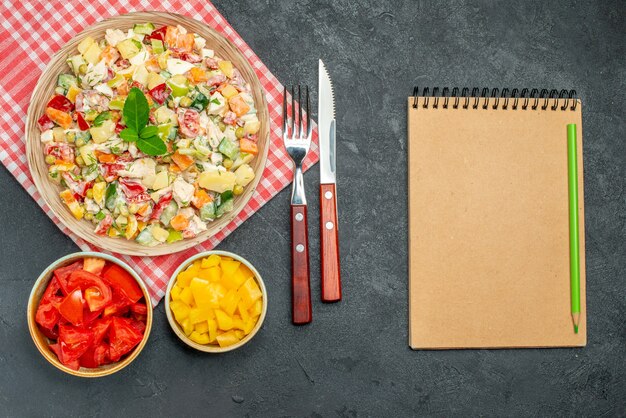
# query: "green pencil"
(574, 256)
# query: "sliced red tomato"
(100, 329)
(123, 337)
(47, 315)
(120, 279)
(51, 334)
(56, 349)
(160, 93)
(96, 300)
(104, 225)
(82, 123)
(161, 205)
(97, 293)
(44, 123)
(89, 317)
(53, 292)
(118, 306)
(119, 127)
(95, 356)
(139, 308)
(71, 309)
(73, 342)
(157, 34)
(63, 273)
(61, 103)
(93, 265)
(134, 191)
(189, 123)
(139, 325)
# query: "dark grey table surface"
(353, 360)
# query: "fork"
(297, 146)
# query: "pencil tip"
(576, 329)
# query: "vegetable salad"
(150, 135)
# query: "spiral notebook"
(488, 219)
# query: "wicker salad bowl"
(45, 89)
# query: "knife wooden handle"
(300, 283)
(331, 273)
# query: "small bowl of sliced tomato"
(89, 314)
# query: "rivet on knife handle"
(300, 284)
(331, 273)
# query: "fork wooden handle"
(331, 274)
(300, 283)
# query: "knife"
(331, 274)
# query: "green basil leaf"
(101, 118)
(136, 110)
(152, 146)
(129, 135)
(149, 131)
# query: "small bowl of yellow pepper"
(216, 301)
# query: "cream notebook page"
(488, 226)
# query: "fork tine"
(285, 120)
(300, 121)
(293, 113)
(308, 114)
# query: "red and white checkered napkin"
(32, 31)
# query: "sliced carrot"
(198, 75)
(247, 146)
(103, 157)
(123, 88)
(109, 54)
(171, 33)
(185, 42)
(179, 222)
(201, 198)
(182, 161)
(238, 105)
(143, 210)
(153, 64)
(59, 117)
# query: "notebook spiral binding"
(496, 98)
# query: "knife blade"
(330, 269)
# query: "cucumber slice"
(169, 212)
(111, 197)
(116, 104)
(207, 212)
(174, 236)
(163, 131)
(224, 208)
(229, 149)
(66, 80)
(179, 85)
(173, 133)
(143, 28)
(145, 238)
(157, 46)
(116, 81)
